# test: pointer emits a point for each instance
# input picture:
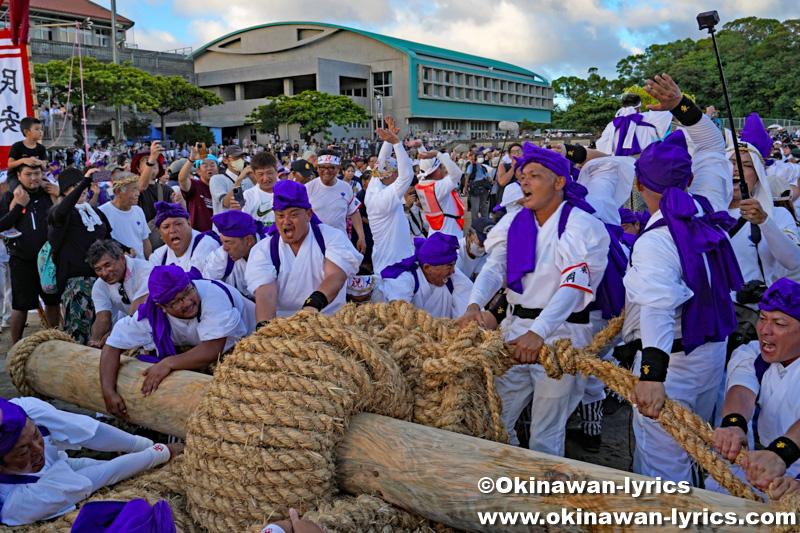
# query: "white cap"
(427, 166)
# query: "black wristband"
(149, 164)
(786, 450)
(576, 153)
(687, 112)
(625, 354)
(262, 324)
(317, 300)
(734, 420)
(654, 365)
(500, 308)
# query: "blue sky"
(550, 37)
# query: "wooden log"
(427, 471)
(435, 474)
(71, 372)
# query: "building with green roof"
(426, 89)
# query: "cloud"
(156, 39)
(547, 36)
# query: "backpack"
(47, 269)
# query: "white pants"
(552, 400)
(5, 292)
(693, 381)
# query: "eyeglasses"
(181, 298)
(123, 294)
(326, 168)
(515, 151)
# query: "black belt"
(581, 317)
(625, 353)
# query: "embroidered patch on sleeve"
(577, 277)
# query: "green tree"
(173, 94)
(266, 118)
(589, 115)
(104, 130)
(103, 85)
(138, 126)
(192, 132)
(529, 125)
(315, 112)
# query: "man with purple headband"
(185, 247)
(182, 309)
(429, 278)
(682, 269)
(304, 264)
(37, 478)
(764, 373)
(239, 233)
(552, 254)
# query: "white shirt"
(645, 135)
(654, 287)
(584, 242)
(194, 256)
(778, 250)
(391, 232)
(438, 301)
(128, 227)
(443, 189)
(332, 204)
(469, 266)
(215, 266)
(301, 275)
(107, 298)
(64, 481)
(217, 319)
(776, 395)
(258, 204)
(220, 185)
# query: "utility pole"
(115, 60)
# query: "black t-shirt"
(149, 197)
(19, 151)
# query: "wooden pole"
(435, 474)
(71, 372)
(427, 471)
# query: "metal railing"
(163, 63)
(785, 123)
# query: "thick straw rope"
(263, 439)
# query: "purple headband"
(135, 515)
(627, 216)
(235, 223)
(783, 296)
(754, 133)
(554, 161)
(11, 425)
(165, 210)
(665, 164)
(164, 284)
(288, 193)
(438, 249)
(642, 217)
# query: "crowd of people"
(179, 257)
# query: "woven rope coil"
(264, 437)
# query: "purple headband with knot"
(783, 296)
(627, 216)
(665, 164)
(554, 161)
(756, 134)
(165, 210)
(235, 223)
(288, 193)
(438, 249)
(11, 425)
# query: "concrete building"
(424, 87)
(52, 35)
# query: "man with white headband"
(333, 199)
(631, 130)
(384, 199)
(763, 238)
(438, 193)
(363, 288)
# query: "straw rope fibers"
(264, 436)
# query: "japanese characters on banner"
(16, 100)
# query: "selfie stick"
(708, 20)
